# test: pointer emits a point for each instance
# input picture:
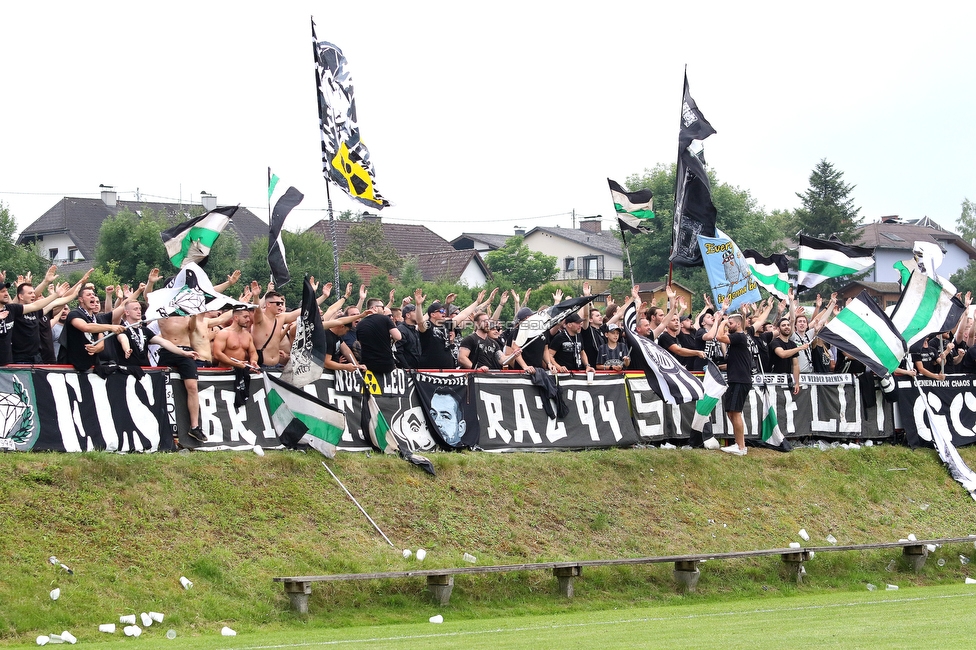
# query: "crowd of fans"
(775, 336)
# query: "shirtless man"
(233, 346)
(177, 330)
(269, 325)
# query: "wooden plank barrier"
(440, 582)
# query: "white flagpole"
(359, 506)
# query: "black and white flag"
(665, 375)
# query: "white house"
(586, 253)
(893, 241)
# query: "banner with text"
(828, 406)
(952, 401)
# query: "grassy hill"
(131, 525)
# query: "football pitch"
(922, 617)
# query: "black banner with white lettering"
(451, 414)
(63, 410)
(828, 406)
(513, 418)
(952, 401)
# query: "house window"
(72, 253)
(52, 253)
(591, 267)
(570, 264)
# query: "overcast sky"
(483, 116)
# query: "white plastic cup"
(467, 557)
(55, 638)
(421, 554)
(871, 587)
(156, 616)
(226, 631)
(43, 640)
(941, 561)
(891, 587)
(930, 548)
(912, 538)
(794, 544)
(55, 593)
(108, 628)
(136, 631)
(258, 450)
(69, 637)
(146, 621)
(970, 581)
(437, 619)
(171, 634)
(128, 619)
(53, 560)
(831, 539)
(963, 559)
(590, 374)
(186, 583)
(804, 535)
(127, 630)
(407, 552)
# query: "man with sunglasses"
(479, 350)
(268, 330)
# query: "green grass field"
(131, 525)
(922, 617)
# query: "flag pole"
(630, 264)
(335, 239)
(359, 506)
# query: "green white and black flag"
(281, 202)
(301, 419)
(632, 207)
(821, 260)
(866, 333)
(770, 272)
(925, 307)
(192, 240)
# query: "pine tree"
(828, 208)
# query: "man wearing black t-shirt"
(565, 352)
(783, 353)
(83, 332)
(479, 351)
(669, 341)
(376, 334)
(739, 373)
(435, 341)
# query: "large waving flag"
(821, 260)
(300, 419)
(192, 240)
(381, 437)
(345, 159)
(771, 273)
(728, 272)
(714, 387)
(866, 333)
(189, 293)
(925, 307)
(694, 213)
(666, 377)
(309, 348)
(632, 208)
(281, 202)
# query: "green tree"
(967, 220)
(307, 253)
(367, 245)
(965, 279)
(738, 215)
(828, 208)
(520, 265)
(133, 244)
(18, 260)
